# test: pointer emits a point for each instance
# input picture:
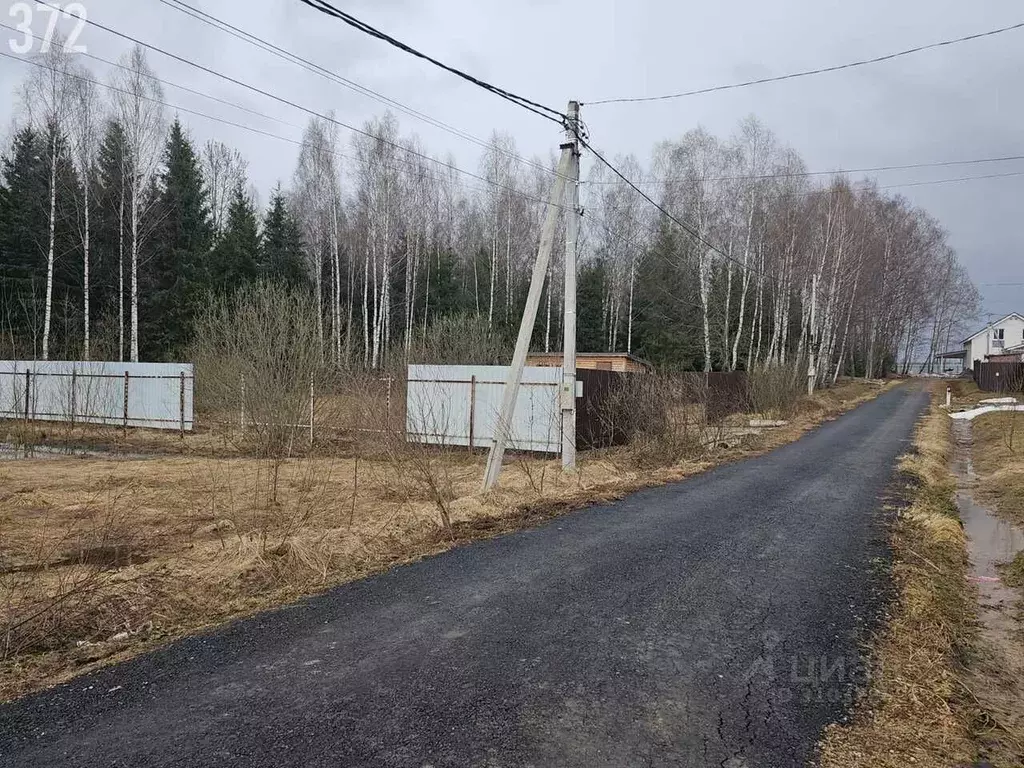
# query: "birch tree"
(85, 143)
(139, 110)
(48, 97)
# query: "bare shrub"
(775, 390)
(421, 464)
(60, 588)
(663, 415)
(258, 354)
(462, 339)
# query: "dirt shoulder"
(939, 694)
(915, 712)
(103, 558)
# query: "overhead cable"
(809, 72)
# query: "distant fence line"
(150, 395)
(999, 377)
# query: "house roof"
(626, 355)
(1018, 315)
(958, 353)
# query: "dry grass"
(103, 558)
(918, 711)
(998, 454)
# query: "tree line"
(117, 229)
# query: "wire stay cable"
(325, 7)
(810, 72)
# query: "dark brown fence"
(726, 393)
(999, 377)
(607, 414)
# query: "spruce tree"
(667, 316)
(24, 242)
(234, 261)
(23, 227)
(109, 237)
(175, 277)
(590, 320)
(281, 253)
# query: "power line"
(268, 134)
(275, 97)
(293, 58)
(807, 73)
(950, 181)
(325, 7)
(177, 86)
(690, 230)
(838, 171)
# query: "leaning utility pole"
(570, 153)
(572, 228)
(812, 374)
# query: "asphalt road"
(713, 622)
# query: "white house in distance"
(996, 339)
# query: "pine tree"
(234, 261)
(281, 253)
(175, 276)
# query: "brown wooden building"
(620, 362)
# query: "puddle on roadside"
(997, 679)
(14, 452)
(992, 539)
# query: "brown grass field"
(104, 557)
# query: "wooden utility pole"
(572, 196)
(540, 269)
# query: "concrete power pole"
(572, 196)
(812, 373)
(540, 269)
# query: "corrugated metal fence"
(153, 395)
(460, 404)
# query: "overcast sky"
(952, 103)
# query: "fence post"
(124, 429)
(181, 406)
(74, 372)
(28, 394)
(390, 380)
(311, 407)
(472, 409)
(241, 418)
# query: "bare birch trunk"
(50, 247)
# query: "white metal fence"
(153, 395)
(460, 404)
